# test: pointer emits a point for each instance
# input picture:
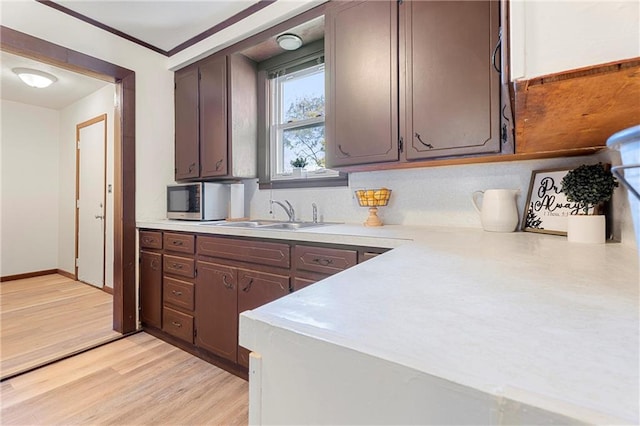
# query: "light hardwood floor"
(138, 380)
(46, 318)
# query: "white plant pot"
(589, 229)
(299, 172)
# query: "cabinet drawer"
(182, 266)
(178, 293)
(323, 260)
(273, 254)
(151, 239)
(182, 243)
(177, 324)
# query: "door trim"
(124, 229)
(90, 122)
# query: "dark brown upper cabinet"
(411, 81)
(361, 42)
(216, 119)
(452, 92)
(187, 141)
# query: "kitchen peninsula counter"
(452, 326)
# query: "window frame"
(266, 138)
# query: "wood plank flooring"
(46, 318)
(137, 380)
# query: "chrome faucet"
(315, 212)
(288, 209)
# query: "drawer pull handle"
(177, 266)
(323, 261)
(219, 164)
(176, 324)
(248, 286)
(177, 243)
(176, 293)
(226, 284)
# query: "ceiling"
(165, 26)
(69, 88)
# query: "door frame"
(124, 229)
(79, 127)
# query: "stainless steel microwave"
(198, 201)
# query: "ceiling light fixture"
(35, 78)
(289, 41)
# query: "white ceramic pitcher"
(499, 212)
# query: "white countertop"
(390, 236)
(523, 316)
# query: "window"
(294, 118)
(297, 122)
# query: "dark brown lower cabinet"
(216, 313)
(193, 288)
(254, 290)
(178, 324)
(151, 288)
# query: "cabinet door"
(362, 87)
(186, 116)
(217, 309)
(151, 288)
(452, 91)
(213, 117)
(256, 289)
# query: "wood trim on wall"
(124, 278)
(261, 4)
(66, 274)
(28, 275)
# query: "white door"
(91, 202)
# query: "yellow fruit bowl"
(373, 198)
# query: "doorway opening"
(124, 269)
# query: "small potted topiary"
(298, 166)
(589, 185)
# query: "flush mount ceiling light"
(289, 41)
(35, 78)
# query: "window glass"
(297, 123)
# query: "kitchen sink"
(295, 225)
(245, 224)
(269, 224)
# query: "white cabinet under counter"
(458, 327)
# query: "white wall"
(29, 188)
(98, 103)
(434, 196)
(553, 36)
(154, 90)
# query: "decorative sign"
(547, 207)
